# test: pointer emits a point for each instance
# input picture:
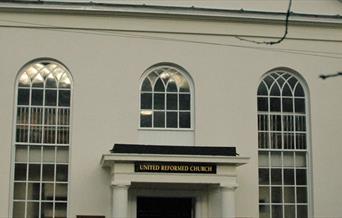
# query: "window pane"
(51, 97)
(287, 105)
(300, 105)
(49, 154)
(23, 96)
(184, 119)
(21, 133)
(262, 104)
(63, 116)
(276, 140)
(159, 86)
(275, 122)
(262, 122)
(275, 104)
(288, 159)
(263, 140)
(288, 123)
(159, 101)
(262, 90)
(61, 192)
(263, 159)
(49, 134)
(302, 211)
(19, 190)
(264, 211)
(159, 119)
(63, 135)
(36, 134)
(172, 101)
(276, 177)
(32, 210)
(286, 90)
(60, 210)
(33, 191)
(277, 211)
(290, 211)
(51, 82)
(184, 86)
(22, 115)
(300, 123)
(37, 97)
(47, 191)
(184, 101)
(21, 153)
(18, 209)
(146, 101)
(50, 116)
(36, 115)
(146, 86)
(171, 86)
(20, 172)
(47, 210)
(288, 141)
(35, 153)
(300, 159)
(62, 155)
(302, 195)
(62, 173)
(172, 119)
(64, 82)
(301, 141)
(289, 176)
(301, 177)
(64, 98)
(264, 195)
(48, 172)
(299, 91)
(34, 172)
(276, 195)
(276, 159)
(275, 91)
(38, 80)
(289, 194)
(264, 177)
(146, 119)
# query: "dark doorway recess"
(156, 207)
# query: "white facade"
(107, 48)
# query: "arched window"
(283, 146)
(42, 142)
(165, 98)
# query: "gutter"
(192, 12)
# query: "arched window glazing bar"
(42, 134)
(283, 146)
(165, 99)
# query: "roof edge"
(166, 11)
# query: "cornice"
(176, 12)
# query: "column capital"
(229, 186)
(120, 184)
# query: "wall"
(106, 68)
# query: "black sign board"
(175, 167)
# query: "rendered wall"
(106, 68)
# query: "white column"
(228, 202)
(120, 201)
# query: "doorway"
(163, 207)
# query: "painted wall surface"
(106, 69)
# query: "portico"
(207, 175)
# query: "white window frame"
(269, 150)
(41, 144)
(187, 77)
